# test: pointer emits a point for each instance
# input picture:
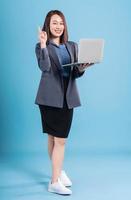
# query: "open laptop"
(89, 51)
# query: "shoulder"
(72, 43)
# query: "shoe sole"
(52, 191)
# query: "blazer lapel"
(54, 56)
(55, 59)
(68, 46)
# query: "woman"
(57, 93)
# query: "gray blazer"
(51, 88)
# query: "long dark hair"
(46, 26)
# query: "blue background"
(98, 150)
(102, 124)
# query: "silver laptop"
(89, 51)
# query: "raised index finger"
(39, 29)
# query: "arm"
(76, 71)
(42, 58)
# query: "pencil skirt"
(57, 121)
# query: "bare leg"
(57, 157)
(50, 145)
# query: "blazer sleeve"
(76, 73)
(42, 58)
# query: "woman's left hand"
(82, 67)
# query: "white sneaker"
(65, 179)
(58, 188)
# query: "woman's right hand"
(42, 35)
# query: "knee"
(59, 141)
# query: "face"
(56, 26)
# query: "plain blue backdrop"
(102, 123)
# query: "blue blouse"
(64, 57)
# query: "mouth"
(58, 32)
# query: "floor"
(94, 176)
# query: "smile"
(58, 31)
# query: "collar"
(52, 43)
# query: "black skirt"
(57, 121)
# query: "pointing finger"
(39, 29)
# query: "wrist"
(42, 45)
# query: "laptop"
(89, 51)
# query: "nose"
(58, 26)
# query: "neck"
(56, 40)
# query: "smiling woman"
(56, 26)
(57, 94)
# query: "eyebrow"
(57, 21)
